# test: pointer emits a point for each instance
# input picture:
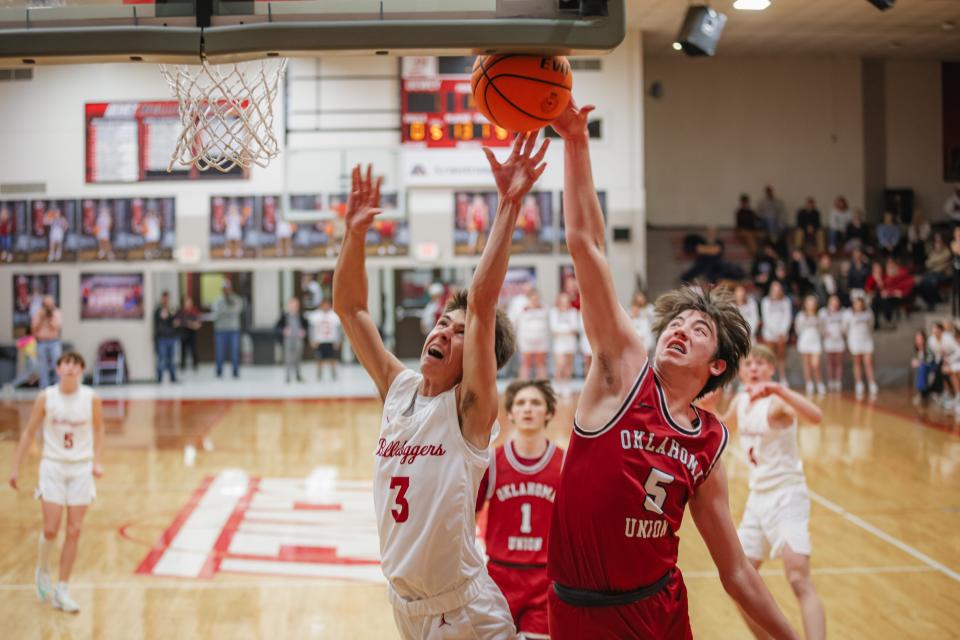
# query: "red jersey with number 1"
(624, 489)
(521, 495)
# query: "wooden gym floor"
(246, 519)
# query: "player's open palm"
(573, 121)
(364, 202)
(517, 175)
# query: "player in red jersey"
(520, 486)
(640, 450)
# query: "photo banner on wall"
(474, 212)
(111, 296)
(14, 216)
(235, 226)
(534, 232)
(50, 235)
(29, 289)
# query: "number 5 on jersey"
(401, 512)
(656, 494)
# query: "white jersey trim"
(492, 474)
(723, 445)
(528, 469)
(631, 396)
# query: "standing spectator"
(826, 283)
(918, 238)
(951, 206)
(923, 365)
(858, 272)
(165, 336)
(772, 213)
(292, 329)
(313, 292)
(189, 318)
(837, 221)
(888, 235)
(227, 314)
(955, 251)
(831, 328)
(938, 271)
(951, 365)
(809, 227)
(564, 322)
(45, 326)
(763, 265)
(935, 342)
(325, 338)
(809, 345)
(709, 261)
(434, 308)
(801, 273)
(747, 306)
(777, 317)
(858, 233)
(859, 327)
(747, 225)
(533, 338)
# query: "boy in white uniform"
(776, 519)
(438, 424)
(72, 420)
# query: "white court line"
(269, 582)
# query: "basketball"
(521, 92)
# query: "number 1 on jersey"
(401, 483)
(525, 512)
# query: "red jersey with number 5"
(623, 492)
(521, 494)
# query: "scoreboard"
(438, 109)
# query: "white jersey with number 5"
(68, 424)
(426, 479)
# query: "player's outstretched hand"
(522, 168)
(97, 471)
(364, 202)
(14, 481)
(573, 121)
(762, 390)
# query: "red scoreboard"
(438, 109)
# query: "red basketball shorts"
(526, 591)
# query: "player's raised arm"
(605, 322)
(787, 405)
(710, 508)
(350, 283)
(478, 400)
(29, 433)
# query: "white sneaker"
(874, 390)
(858, 392)
(44, 586)
(61, 600)
(809, 388)
(821, 389)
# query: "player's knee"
(50, 533)
(800, 582)
(73, 530)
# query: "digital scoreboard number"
(438, 109)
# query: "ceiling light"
(751, 5)
(677, 46)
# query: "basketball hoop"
(226, 111)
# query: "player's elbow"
(583, 244)
(735, 581)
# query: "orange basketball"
(520, 92)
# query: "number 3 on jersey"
(656, 494)
(401, 483)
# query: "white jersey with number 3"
(68, 424)
(772, 453)
(426, 479)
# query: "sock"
(61, 587)
(44, 547)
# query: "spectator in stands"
(951, 206)
(189, 318)
(709, 261)
(533, 338)
(810, 345)
(747, 225)
(747, 305)
(924, 367)
(777, 315)
(891, 287)
(837, 221)
(227, 314)
(800, 273)
(763, 265)
(46, 326)
(564, 326)
(291, 329)
(938, 270)
(825, 282)
(888, 235)
(858, 233)
(809, 227)
(918, 239)
(772, 213)
(832, 329)
(955, 252)
(166, 334)
(325, 337)
(858, 272)
(935, 343)
(859, 328)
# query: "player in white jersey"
(775, 522)
(71, 417)
(438, 424)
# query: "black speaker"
(701, 30)
(883, 5)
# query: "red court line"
(909, 417)
(307, 506)
(220, 547)
(163, 542)
(302, 554)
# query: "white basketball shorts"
(774, 519)
(66, 483)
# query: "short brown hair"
(543, 386)
(504, 343)
(733, 333)
(764, 353)
(72, 356)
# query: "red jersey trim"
(723, 445)
(529, 469)
(665, 412)
(619, 414)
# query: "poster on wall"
(534, 232)
(146, 228)
(602, 196)
(279, 237)
(13, 217)
(29, 289)
(96, 232)
(389, 235)
(111, 296)
(321, 235)
(50, 235)
(473, 214)
(234, 226)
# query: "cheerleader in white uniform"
(748, 309)
(777, 318)
(809, 345)
(564, 324)
(950, 349)
(831, 328)
(641, 317)
(859, 329)
(533, 338)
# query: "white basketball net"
(226, 111)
